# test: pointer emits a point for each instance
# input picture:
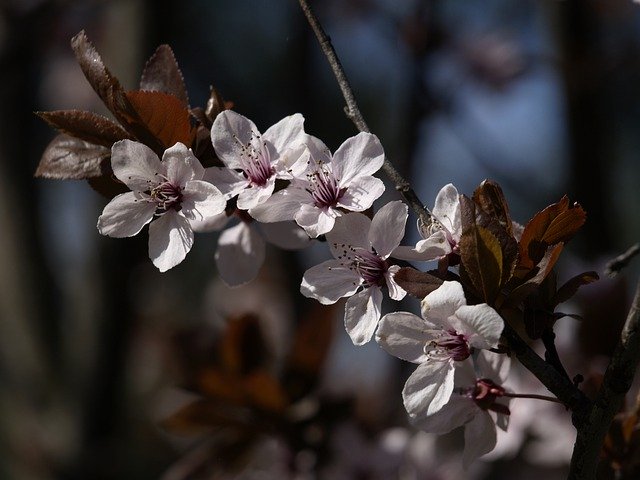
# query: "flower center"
(448, 344)
(323, 187)
(256, 161)
(167, 196)
(366, 263)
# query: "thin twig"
(615, 384)
(353, 113)
(614, 266)
(535, 396)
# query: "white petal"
(286, 133)
(430, 248)
(387, 227)
(481, 325)
(329, 281)
(494, 366)
(125, 215)
(396, 292)
(402, 334)
(294, 163)
(281, 206)
(361, 314)
(251, 197)
(458, 411)
(228, 181)
(316, 221)
(201, 200)
(230, 132)
(210, 224)
(361, 193)
(318, 150)
(357, 156)
(181, 165)
(443, 302)
(136, 165)
(447, 208)
(428, 388)
(286, 235)
(170, 239)
(350, 229)
(479, 437)
(240, 254)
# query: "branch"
(353, 113)
(615, 384)
(614, 266)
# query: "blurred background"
(98, 350)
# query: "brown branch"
(614, 266)
(353, 113)
(615, 384)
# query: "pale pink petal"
(481, 325)
(329, 281)
(458, 411)
(479, 437)
(428, 388)
(357, 156)
(494, 366)
(228, 181)
(402, 334)
(230, 132)
(251, 197)
(181, 165)
(430, 248)
(136, 165)
(170, 239)
(361, 314)
(447, 208)
(286, 133)
(282, 206)
(349, 230)
(210, 224)
(319, 153)
(396, 292)
(443, 302)
(125, 215)
(294, 163)
(361, 193)
(316, 221)
(240, 254)
(387, 227)
(201, 200)
(286, 235)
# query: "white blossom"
(360, 248)
(323, 186)
(440, 342)
(170, 191)
(252, 160)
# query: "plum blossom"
(442, 236)
(327, 185)
(170, 191)
(477, 403)
(440, 342)
(241, 247)
(360, 248)
(253, 161)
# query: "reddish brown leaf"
(569, 289)
(157, 119)
(162, 74)
(264, 391)
(489, 197)
(102, 81)
(88, 126)
(215, 105)
(531, 279)
(556, 223)
(242, 347)
(202, 416)
(107, 185)
(416, 283)
(71, 158)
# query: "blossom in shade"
(242, 247)
(441, 237)
(252, 160)
(477, 403)
(323, 187)
(360, 268)
(440, 342)
(170, 192)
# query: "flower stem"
(533, 395)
